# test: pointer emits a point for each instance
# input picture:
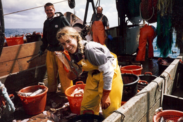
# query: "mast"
(1, 27)
(86, 10)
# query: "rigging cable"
(32, 8)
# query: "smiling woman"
(104, 83)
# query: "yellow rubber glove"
(105, 99)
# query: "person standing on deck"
(147, 35)
(99, 22)
(104, 83)
(55, 67)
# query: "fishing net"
(165, 7)
(164, 34)
(177, 24)
(164, 27)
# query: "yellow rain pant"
(54, 68)
(94, 89)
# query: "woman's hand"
(105, 99)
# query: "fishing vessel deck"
(142, 106)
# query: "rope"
(32, 8)
(169, 75)
(158, 87)
(165, 7)
(122, 115)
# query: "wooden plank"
(20, 64)
(175, 61)
(170, 73)
(16, 81)
(20, 51)
(23, 65)
(150, 114)
(179, 57)
(8, 67)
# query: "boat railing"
(141, 107)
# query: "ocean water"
(18, 31)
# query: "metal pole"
(86, 10)
(1, 28)
(93, 7)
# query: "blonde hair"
(70, 31)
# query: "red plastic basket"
(34, 104)
(132, 69)
(75, 101)
(168, 114)
(14, 40)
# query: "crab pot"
(130, 85)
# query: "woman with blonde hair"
(104, 83)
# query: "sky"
(35, 18)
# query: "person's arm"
(105, 22)
(98, 58)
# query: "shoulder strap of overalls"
(101, 18)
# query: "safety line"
(33, 8)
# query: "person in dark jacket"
(55, 67)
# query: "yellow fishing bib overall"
(94, 89)
(54, 68)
